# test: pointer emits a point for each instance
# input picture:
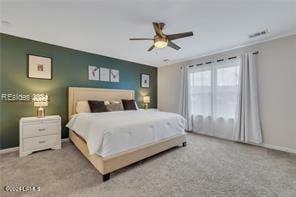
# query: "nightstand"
(39, 134)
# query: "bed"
(112, 140)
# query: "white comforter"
(113, 132)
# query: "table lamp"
(146, 100)
(40, 101)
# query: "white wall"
(277, 89)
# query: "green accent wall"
(69, 68)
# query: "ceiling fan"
(162, 40)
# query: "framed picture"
(104, 74)
(39, 67)
(93, 73)
(145, 81)
(114, 75)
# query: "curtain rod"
(220, 60)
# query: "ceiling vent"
(5, 22)
(260, 33)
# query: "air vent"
(165, 60)
(5, 22)
(261, 33)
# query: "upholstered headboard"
(84, 94)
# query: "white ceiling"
(104, 27)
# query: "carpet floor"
(206, 167)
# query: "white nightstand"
(39, 134)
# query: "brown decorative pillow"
(115, 107)
(97, 106)
(129, 104)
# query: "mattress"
(109, 133)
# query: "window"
(201, 92)
(214, 89)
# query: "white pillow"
(115, 102)
(83, 106)
(137, 107)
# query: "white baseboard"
(268, 146)
(65, 139)
(9, 150)
(284, 149)
(14, 149)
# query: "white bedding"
(108, 133)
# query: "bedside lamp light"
(40, 101)
(146, 100)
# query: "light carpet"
(206, 167)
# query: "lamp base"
(40, 112)
(146, 105)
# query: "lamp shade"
(40, 100)
(146, 99)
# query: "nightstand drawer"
(32, 130)
(40, 142)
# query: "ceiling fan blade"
(173, 45)
(150, 49)
(157, 28)
(179, 35)
(141, 38)
(161, 25)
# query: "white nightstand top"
(35, 118)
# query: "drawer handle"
(41, 129)
(42, 142)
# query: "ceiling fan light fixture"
(161, 40)
(161, 43)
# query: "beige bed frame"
(106, 165)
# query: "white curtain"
(247, 124)
(213, 93)
(185, 108)
(221, 99)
